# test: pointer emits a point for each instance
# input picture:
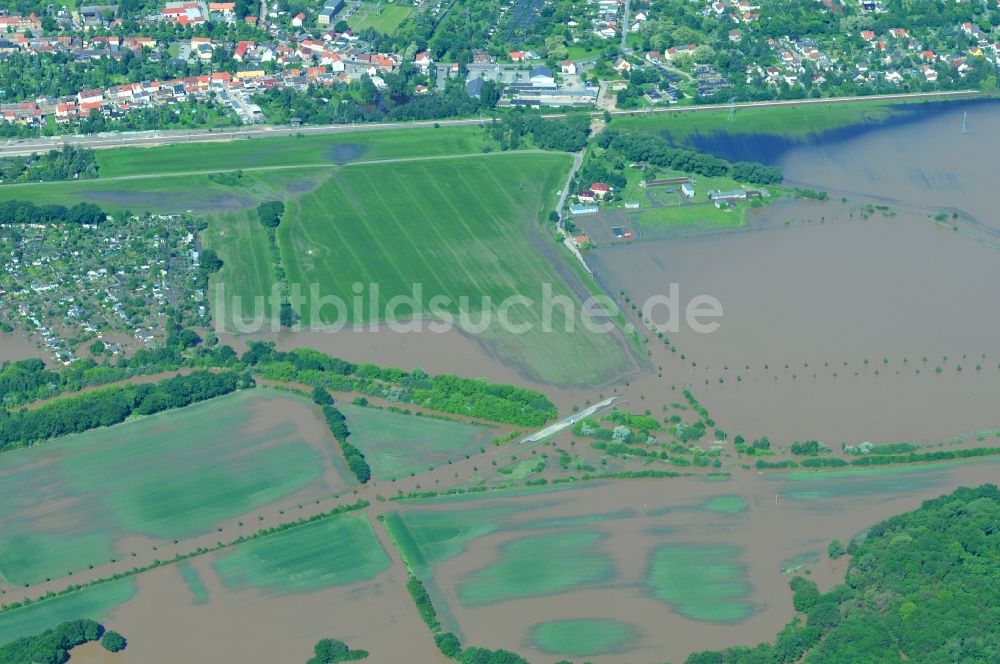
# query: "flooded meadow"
(868, 317)
(656, 569)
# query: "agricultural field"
(397, 445)
(247, 273)
(337, 551)
(86, 498)
(460, 228)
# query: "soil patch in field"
(342, 153)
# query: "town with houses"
(580, 65)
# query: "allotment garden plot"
(86, 498)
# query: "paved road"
(154, 138)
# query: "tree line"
(444, 393)
(113, 405)
(29, 380)
(26, 212)
(338, 427)
(657, 151)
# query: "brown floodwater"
(18, 346)
(786, 518)
(164, 624)
(842, 323)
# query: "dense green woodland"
(26, 212)
(657, 151)
(921, 587)
(102, 408)
(51, 646)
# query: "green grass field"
(584, 637)
(290, 151)
(789, 121)
(387, 21)
(701, 582)
(93, 602)
(396, 445)
(247, 272)
(539, 565)
(332, 552)
(458, 228)
(167, 476)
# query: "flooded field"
(656, 569)
(844, 321)
(14, 347)
(88, 498)
(195, 612)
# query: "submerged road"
(15, 147)
(565, 422)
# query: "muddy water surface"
(784, 518)
(14, 347)
(843, 323)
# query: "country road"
(16, 147)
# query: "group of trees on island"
(332, 651)
(53, 645)
(921, 587)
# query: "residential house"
(600, 189)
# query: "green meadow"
(289, 151)
(66, 503)
(93, 602)
(460, 229)
(332, 552)
(791, 121)
(584, 637)
(380, 17)
(397, 444)
(246, 279)
(701, 582)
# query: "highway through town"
(14, 147)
